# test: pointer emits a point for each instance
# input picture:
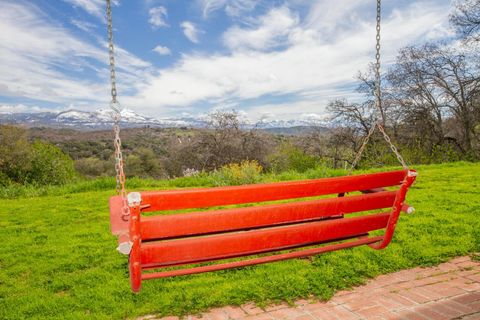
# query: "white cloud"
(271, 30)
(314, 60)
(190, 31)
(233, 8)
(19, 108)
(311, 67)
(158, 16)
(41, 60)
(94, 7)
(163, 51)
(83, 25)
(209, 6)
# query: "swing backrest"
(173, 239)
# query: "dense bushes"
(246, 172)
(290, 157)
(37, 163)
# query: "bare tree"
(225, 140)
(432, 82)
(466, 19)
(358, 116)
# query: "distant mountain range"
(102, 119)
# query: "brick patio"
(448, 291)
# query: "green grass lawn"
(58, 258)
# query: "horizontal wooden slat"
(188, 224)
(273, 258)
(208, 197)
(192, 250)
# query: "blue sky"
(267, 59)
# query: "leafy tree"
(93, 167)
(143, 163)
(15, 154)
(50, 165)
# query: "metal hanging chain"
(362, 148)
(115, 106)
(378, 101)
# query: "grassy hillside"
(58, 259)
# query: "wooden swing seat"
(182, 239)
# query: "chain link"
(378, 78)
(392, 146)
(378, 102)
(115, 106)
(361, 149)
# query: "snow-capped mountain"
(77, 119)
(102, 119)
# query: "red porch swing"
(185, 239)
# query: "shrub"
(92, 167)
(246, 172)
(15, 155)
(143, 163)
(289, 157)
(50, 165)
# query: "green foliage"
(246, 172)
(15, 155)
(58, 259)
(94, 167)
(40, 163)
(50, 166)
(143, 163)
(290, 157)
(379, 154)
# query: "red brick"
(430, 280)
(287, 313)
(468, 264)
(276, 307)
(360, 303)
(410, 315)
(234, 312)
(400, 299)
(302, 302)
(315, 306)
(441, 308)
(464, 309)
(447, 267)
(343, 293)
(324, 314)
(429, 312)
(305, 317)
(441, 290)
(475, 306)
(474, 277)
(406, 275)
(466, 273)
(468, 298)
(342, 313)
(262, 316)
(475, 316)
(431, 295)
(414, 296)
(372, 311)
(251, 309)
(217, 314)
(400, 286)
(460, 259)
